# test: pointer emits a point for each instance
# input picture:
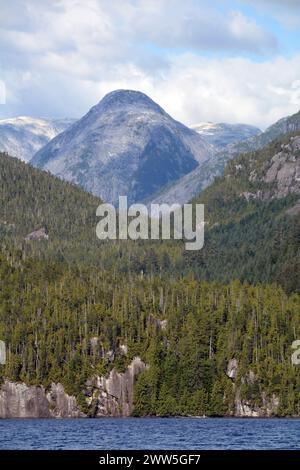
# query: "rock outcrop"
(18, 400)
(113, 395)
(284, 171)
(232, 369)
(245, 408)
(62, 405)
(40, 234)
(105, 396)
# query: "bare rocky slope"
(125, 145)
(104, 396)
(110, 396)
(196, 181)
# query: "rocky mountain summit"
(125, 145)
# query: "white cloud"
(232, 90)
(60, 57)
(194, 89)
(174, 23)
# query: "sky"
(201, 60)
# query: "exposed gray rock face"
(23, 136)
(192, 184)
(232, 369)
(113, 395)
(62, 405)
(284, 171)
(244, 408)
(17, 400)
(105, 396)
(125, 145)
(278, 176)
(39, 234)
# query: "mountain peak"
(125, 145)
(126, 98)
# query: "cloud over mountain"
(58, 56)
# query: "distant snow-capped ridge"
(222, 134)
(23, 136)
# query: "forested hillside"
(253, 219)
(187, 315)
(186, 331)
(252, 231)
(31, 199)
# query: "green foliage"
(67, 304)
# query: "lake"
(150, 433)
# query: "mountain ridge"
(23, 136)
(110, 150)
(222, 134)
(189, 186)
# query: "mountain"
(283, 126)
(125, 145)
(192, 184)
(84, 339)
(268, 175)
(222, 134)
(23, 136)
(59, 218)
(252, 218)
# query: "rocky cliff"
(265, 407)
(105, 396)
(113, 395)
(193, 183)
(17, 400)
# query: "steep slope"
(222, 134)
(125, 145)
(60, 215)
(253, 219)
(78, 330)
(285, 125)
(192, 184)
(23, 136)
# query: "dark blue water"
(150, 433)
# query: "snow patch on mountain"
(23, 136)
(222, 134)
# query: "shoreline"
(123, 418)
